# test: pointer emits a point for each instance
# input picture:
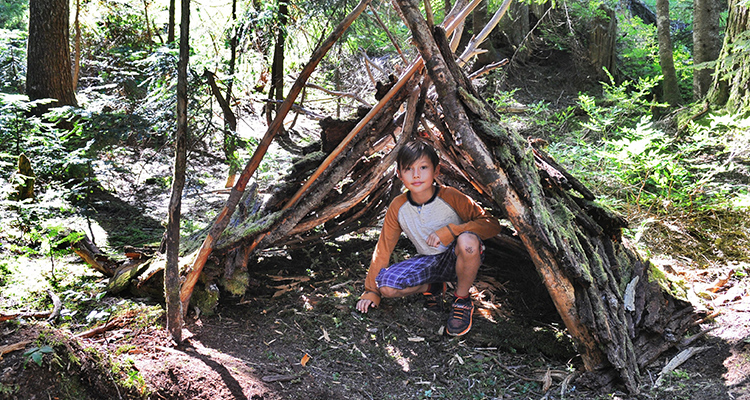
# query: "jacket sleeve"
(387, 241)
(477, 219)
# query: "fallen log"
(93, 256)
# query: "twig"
(388, 33)
(299, 109)
(57, 306)
(676, 362)
(30, 314)
(514, 373)
(688, 341)
(471, 48)
(487, 68)
(99, 329)
(340, 285)
(339, 94)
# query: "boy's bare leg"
(468, 260)
(392, 292)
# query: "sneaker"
(433, 297)
(459, 320)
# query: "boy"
(447, 228)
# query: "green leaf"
(37, 357)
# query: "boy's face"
(418, 177)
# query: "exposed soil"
(296, 335)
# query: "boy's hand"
(364, 304)
(433, 240)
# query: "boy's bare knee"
(388, 291)
(468, 244)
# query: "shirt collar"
(434, 196)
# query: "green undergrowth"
(681, 181)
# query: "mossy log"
(574, 244)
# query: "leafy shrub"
(14, 14)
(637, 48)
(12, 61)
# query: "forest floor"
(296, 335)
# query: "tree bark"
(172, 271)
(670, 89)
(77, 58)
(729, 88)
(171, 22)
(276, 92)
(706, 43)
(148, 23)
(602, 42)
(49, 73)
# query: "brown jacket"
(403, 216)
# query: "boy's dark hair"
(413, 151)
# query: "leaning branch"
(239, 188)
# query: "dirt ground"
(296, 335)
(310, 343)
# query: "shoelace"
(463, 310)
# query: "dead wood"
(5, 349)
(112, 324)
(29, 314)
(94, 257)
(56, 306)
(471, 48)
(675, 362)
(239, 187)
(339, 164)
(229, 117)
(488, 68)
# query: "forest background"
(670, 156)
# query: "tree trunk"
(230, 129)
(670, 89)
(706, 43)
(77, 59)
(170, 24)
(602, 42)
(729, 88)
(642, 11)
(148, 23)
(172, 270)
(573, 242)
(49, 73)
(277, 67)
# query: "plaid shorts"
(421, 269)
